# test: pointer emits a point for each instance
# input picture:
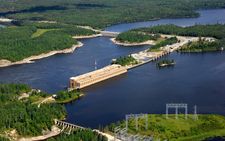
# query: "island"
(133, 38)
(125, 61)
(165, 63)
(33, 40)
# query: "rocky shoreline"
(6, 63)
(54, 132)
(87, 37)
(150, 42)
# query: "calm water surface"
(207, 17)
(196, 79)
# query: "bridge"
(109, 33)
(68, 128)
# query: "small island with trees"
(125, 61)
(165, 63)
(134, 38)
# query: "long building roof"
(98, 73)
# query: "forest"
(17, 43)
(168, 41)
(29, 120)
(136, 37)
(65, 96)
(124, 61)
(24, 116)
(201, 46)
(103, 13)
(216, 31)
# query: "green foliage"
(81, 135)
(25, 117)
(201, 46)
(70, 29)
(102, 13)
(3, 139)
(67, 96)
(217, 30)
(136, 37)
(165, 62)
(181, 129)
(168, 41)
(14, 88)
(31, 38)
(16, 43)
(124, 61)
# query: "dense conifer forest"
(102, 13)
(17, 43)
(23, 115)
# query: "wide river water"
(197, 79)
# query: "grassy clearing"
(178, 130)
(39, 32)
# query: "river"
(197, 79)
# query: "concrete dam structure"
(94, 77)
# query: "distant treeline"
(217, 30)
(102, 13)
(17, 43)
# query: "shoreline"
(55, 131)
(149, 42)
(70, 100)
(31, 59)
(87, 37)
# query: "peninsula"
(34, 40)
